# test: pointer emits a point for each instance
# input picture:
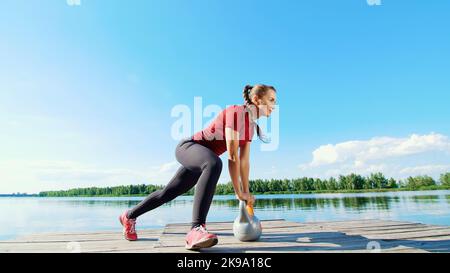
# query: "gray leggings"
(200, 166)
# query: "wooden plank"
(226, 222)
(291, 249)
(229, 225)
(307, 229)
(88, 246)
(343, 221)
(395, 250)
(400, 230)
(360, 222)
(82, 237)
(410, 235)
(264, 240)
(227, 231)
(378, 228)
(149, 231)
(278, 236)
(372, 224)
(382, 225)
(268, 223)
(430, 239)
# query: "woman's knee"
(214, 163)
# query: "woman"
(231, 131)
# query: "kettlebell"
(246, 227)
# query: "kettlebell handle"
(243, 214)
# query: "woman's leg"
(200, 166)
(200, 159)
(182, 181)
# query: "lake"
(29, 215)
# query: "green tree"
(378, 180)
(392, 183)
(420, 181)
(275, 185)
(352, 181)
(445, 179)
(331, 184)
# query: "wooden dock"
(278, 236)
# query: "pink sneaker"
(129, 230)
(200, 238)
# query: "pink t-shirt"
(235, 117)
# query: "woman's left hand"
(251, 200)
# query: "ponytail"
(246, 94)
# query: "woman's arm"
(232, 139)
(244, 157)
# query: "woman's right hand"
(246, 196)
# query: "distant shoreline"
(430, 188)
(19, 195)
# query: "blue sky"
(86, 91)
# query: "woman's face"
(266, 103)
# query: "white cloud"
(392, 156)
(378, 148)
(425, 169)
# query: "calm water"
(21, 216)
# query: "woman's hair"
(260, 90)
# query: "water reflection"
(355, 203)
(275, 202)
(426, 199)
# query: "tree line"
(351, 182)
(108, 191)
